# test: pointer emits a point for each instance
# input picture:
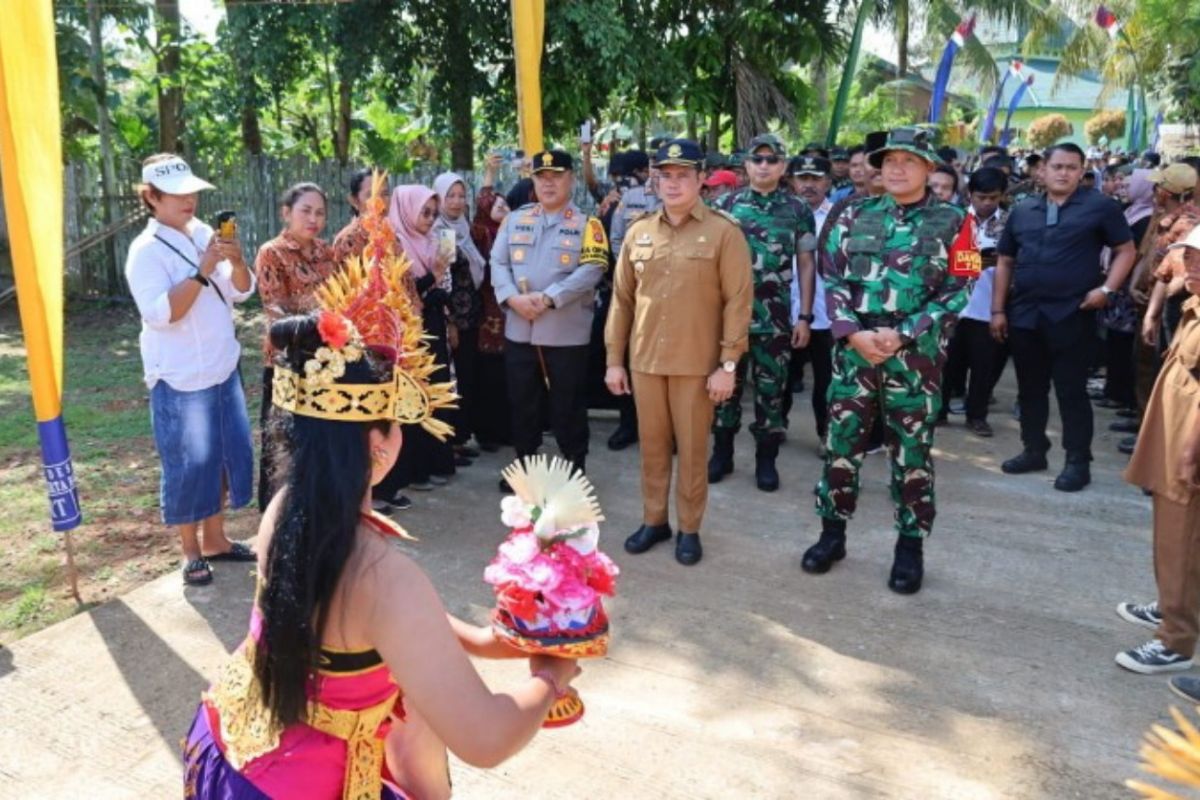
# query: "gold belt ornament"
(248, 733)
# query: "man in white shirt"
(972, 349)
(185, 282)
(811, 179)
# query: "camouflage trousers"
(767, 362)
(906, 390)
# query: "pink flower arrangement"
(548, 581)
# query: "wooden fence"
(251, 188)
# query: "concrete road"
(741, 677)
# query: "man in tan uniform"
(1165, 463)
(681, 306)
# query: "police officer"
(898, 268)
(546, 261)
(681, 310)
(637, 200)
(779, 228)
(839, 158)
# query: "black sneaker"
(1186, 687)
(1152, 658)
(1145, 614)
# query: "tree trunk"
(112, 275)
(821, 94)
(170, 91)
(345, 109)
(251, 131)
(692, 125)
(902, 10)
(714, 133)
(333, 108)
(460, 77)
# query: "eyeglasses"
(772, 160)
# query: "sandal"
(197, 572)
(236, 552)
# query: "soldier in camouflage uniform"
(898, 268)
(779, 228)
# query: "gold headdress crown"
(369, 305)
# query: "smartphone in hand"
(226, 224)
(585, 132)
(447, 243)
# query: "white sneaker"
(1152, 658)
(1144, 614)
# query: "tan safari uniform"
(681, 306)
(1171, 414)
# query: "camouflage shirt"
(777, 226)
(887, 260)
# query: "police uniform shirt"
(563, 255)
(681, 295)
(636, 202)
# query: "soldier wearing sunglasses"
(779, 228)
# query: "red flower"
(601, 581)
(521, 603)
(334, 329)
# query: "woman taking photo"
(289, 269)
(185, 281)
(411, 213)
(353, 680)
(465, 307)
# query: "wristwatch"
(806, 318)
(200, 279)
(729, 366)
(548, 300)
(1107, 291)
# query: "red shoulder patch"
(964, 258)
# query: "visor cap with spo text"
(1175, 178)
(810, 165)
(766, 140)
(917, 141)
(683, 152)
(552, 161)
(173, 176)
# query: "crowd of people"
(906, 276)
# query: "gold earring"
(379, 456)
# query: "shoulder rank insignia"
(595, 244)
(720, 212)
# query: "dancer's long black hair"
(326, 472)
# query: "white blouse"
(199, 350)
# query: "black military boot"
(908, 566)
(829, 548)
(721, 463)
(1076, 473)
(765, 474)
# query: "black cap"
(683, 152)
(767, 140)
(716, 161)
(553, 161)
(636, 160)
(618, 165)
(810, 165)
(839, 154)
(815, 149)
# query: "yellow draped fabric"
(31, 169)
(529, 23)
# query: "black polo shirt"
(1056, 266)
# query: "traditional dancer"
(353, 680)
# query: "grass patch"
(122, 542)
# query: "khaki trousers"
(673, 410)
(1177, 572)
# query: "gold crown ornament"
(547, 159)
(369, 305)
(674, 151)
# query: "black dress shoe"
(622, 437)
(1125, 426)
(646, 537)
(829, 548)
(687, 548)
(1028, 461)
(1127, 445)
(908, 566)
(1074, 476)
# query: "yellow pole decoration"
(31, 168)
(529, 23)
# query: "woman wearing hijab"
(413, 209)
(491, 423)
(465, 308)
(1119, 319)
